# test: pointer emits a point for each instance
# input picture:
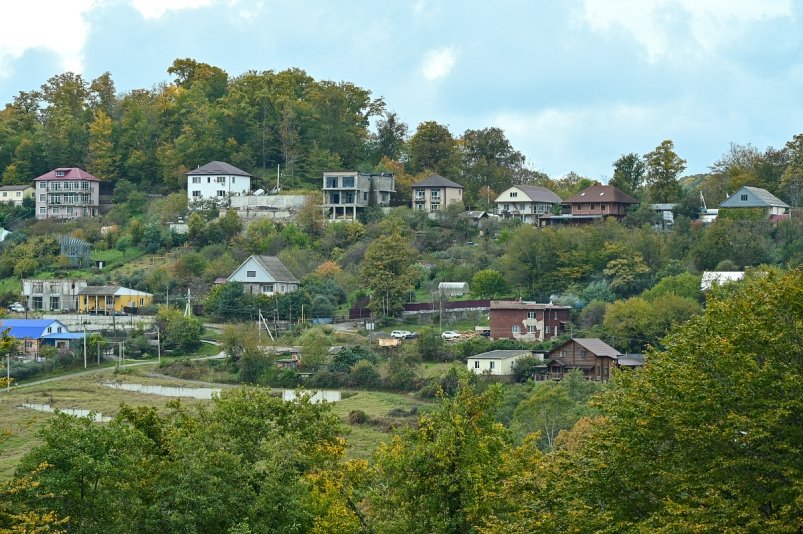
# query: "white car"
(400, 334)
(450, 334)
(17, 308)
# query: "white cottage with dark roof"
(217, 180)
(756, 197)
(264, 275)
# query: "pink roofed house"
(67, 193)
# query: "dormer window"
(60, 173)
(744, 198)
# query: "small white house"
(217, 180)
(713, 278)
(495, 362)
(264, 275)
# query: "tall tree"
(792, 180)
(628, 173)
(102, 158)
(432, 147)
(488, 159)
(387, 270)
(663, 170)
(388, 141)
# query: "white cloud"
(679, 28)
(154, 9)
(439, 63)
(54, 26)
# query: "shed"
(453, 289)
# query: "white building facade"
(217, 180)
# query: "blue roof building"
(33, 334)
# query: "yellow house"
(111, 299)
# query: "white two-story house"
(217, 180)
(526, 202)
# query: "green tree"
(431, 346)
(102, 157)
(434, 478)
(315, 345)
(183, 333)
(488, 283)
(387, 270)
(628, 173)
(664, 167)
(432, 147)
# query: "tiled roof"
(70, 173)
(218, 167)
(437, 181)
(601, 193)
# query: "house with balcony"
(346, 194)
(264, 275)
(15, 194)
(592, 204)
(217, 180)
(527, 321)
(526, 202)
(67, 193)
(592, 356)
(52, 295)
(435, 193)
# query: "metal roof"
(218, 167)
(601, 193)
(70, 173)
(524, 305)
(539, 194)
(763, 199)
(591, 344)
(276, 269)
(437, 181)
(501, 354)
(16, 187)
(28, 328)
(99, 290)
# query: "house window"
(348, 182)
(43, 197)
(110, 300)
(209, 179)
(55, 303)
(583, 354)
(5, 194)
(434, 206)
(435, 194)
(56, 210)
(530, 315)
(43, 210)
(251, 274)
(29, 344)
(331, 182)
(196, 194)
(365, 197)
(492, 365)
(58, 330)
(546, 330)
(42, 185)
(66, 186)
(420, 194)
(530, 329)
(36, 303)
(49, 329)
(604, 207)
(60, 173)
(196, 179)
(221, 193)
(593, 207)
(506, 207)
(19, 194)
(476, 364)
(513, 194)
(55, 186)
(85, 186)
(420, 206)
(221, 179)
(266, 288)
(744, 198)
(141, 302)
(233, 179)
(516, 329)
(69, 211)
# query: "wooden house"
(592, 356)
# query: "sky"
(574, 84)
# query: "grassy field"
(87, 392)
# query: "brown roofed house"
(592, 356)
(593, 204)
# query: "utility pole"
(8, 370)
(159, 344)
(84, 346)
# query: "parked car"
(411, 335)
(16, 307)
(450, 334)
(400, 334)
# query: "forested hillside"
(259, 120)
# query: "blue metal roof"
(28, 328)
(64, 335)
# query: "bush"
(365, 375)
(358, 417)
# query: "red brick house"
(527, 321)
(592, 356)
(593, 204)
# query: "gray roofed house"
(756, 197)
(526, 202)
(218, 167)
(435, 193)
(264, 275)
(496, 362)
